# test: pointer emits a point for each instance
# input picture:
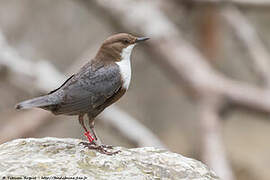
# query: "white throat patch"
(124, 65)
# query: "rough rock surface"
(63, 158)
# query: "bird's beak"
(141, 39)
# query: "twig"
(130, 128)
(248, 35)
(40, 71)
(240, 3)
(37, 71)
(23, 124)
(212, 146)
(210, 105)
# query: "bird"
(98, 84)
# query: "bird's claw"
(100, 148)
(87, 143)
(106, 146)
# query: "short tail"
(35, 102)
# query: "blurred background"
(200, 85)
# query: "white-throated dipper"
(97, 85)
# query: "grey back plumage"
(84, 92)
(87, 90)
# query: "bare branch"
(210, 127)
(180, 59)
(23, 124)
(240, 3)
(39, 72)
(130, 128)
(248, 35)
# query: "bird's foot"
(106, 146)
(100, 148)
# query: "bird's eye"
(126, 41)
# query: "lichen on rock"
(64, 158)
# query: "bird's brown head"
(115, 47)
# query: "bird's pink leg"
(89, 137)
(87, 133)
(92, 140)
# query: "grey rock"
(56, 158)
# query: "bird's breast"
(125, 66)
(125, 71)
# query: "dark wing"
(90, 89)
(61, 85)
